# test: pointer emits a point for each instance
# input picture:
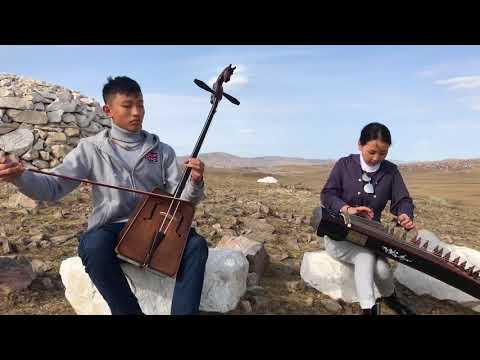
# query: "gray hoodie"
(94, 159)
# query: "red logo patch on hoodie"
(152, 156)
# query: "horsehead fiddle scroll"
(154, 238)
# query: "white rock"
(268, 180)
(253, 250)
(421, 283)
(225, 283)
(330, 276)
(17, 141)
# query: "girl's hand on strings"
(405, 221)
(358, 210)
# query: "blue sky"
(300, 101)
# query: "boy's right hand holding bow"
(9, 170)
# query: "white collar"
(367, 168)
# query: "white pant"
(369, 269)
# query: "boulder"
(254, 251)
(225, 283)
(16, 274)
(423, 284)
(330, 276)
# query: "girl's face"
(374, 151)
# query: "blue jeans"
(97, 251)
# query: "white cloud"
(247, 131)
(461, 82)
(461, 125)
(239, 78)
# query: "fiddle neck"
(196, 150)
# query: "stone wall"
(41, 123)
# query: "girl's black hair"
(375, 131)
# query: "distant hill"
(229, 161)
(224, 160)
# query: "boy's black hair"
(120, 85)
(375, 131)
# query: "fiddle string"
(172, 217)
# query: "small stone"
(331, 305)
(47, 283)
(55, 116)
(72, 132)
(280, 257)
(261, 302)
(39, 266)
(68, 118)
(308, 301)
(293, 286)
(217, 227)
(6, 249)
(44, 244)
(44, 155)
(54, 162)
(256, 290)
(246, 306)
(60, 239)
(56, 138)
(252, 279)
(41, 164)
(38, 237)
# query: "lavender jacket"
(345, 187)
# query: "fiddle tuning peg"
(425, 246)
(440, 252)
(462, 265)
(447, 256)
(455, 262)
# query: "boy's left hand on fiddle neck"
(198, 167)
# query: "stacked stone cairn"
(41, 123)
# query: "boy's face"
(126, 111)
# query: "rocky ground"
(235, 204)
